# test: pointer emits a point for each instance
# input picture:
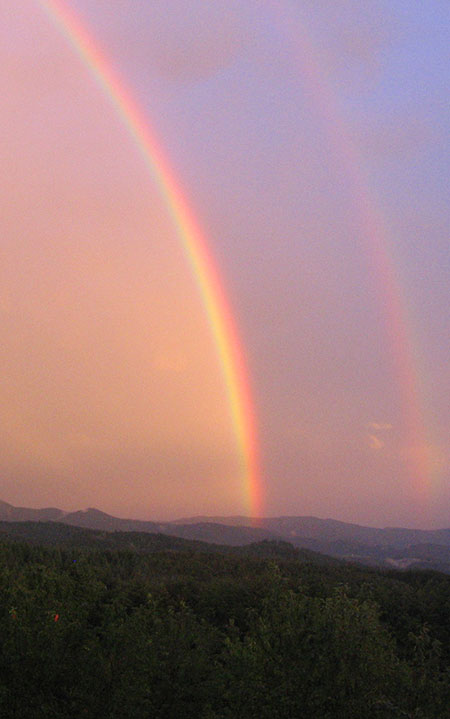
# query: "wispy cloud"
(374, 429)
(375, 442)
(379, 426)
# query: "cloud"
(379, 426)
(375, 442)
(373, 430)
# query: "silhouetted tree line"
(181, 635)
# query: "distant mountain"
(332, 530)
(220, 533)
(201, 531)
(94, 519)
(72, 537)
(389, 547)
(8, 513)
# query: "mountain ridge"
(386, 547)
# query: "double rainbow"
(217, 308)
(216, 305)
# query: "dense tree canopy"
(172, 634)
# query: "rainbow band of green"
(215, 304)
(373, 229)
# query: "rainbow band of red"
(216, 306)
(375, 234)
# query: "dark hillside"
(390, 547)
(62, 535)
(150, 626)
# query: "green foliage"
(171, 634)
(311, 657)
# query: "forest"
(168, 629)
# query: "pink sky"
(111, 391)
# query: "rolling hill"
(390, 547)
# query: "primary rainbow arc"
(220, 318)
(217, 309)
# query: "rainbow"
(216, 305)
(373, 231)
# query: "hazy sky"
(289, 125)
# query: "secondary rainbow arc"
(373, 229)
(222, 325)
